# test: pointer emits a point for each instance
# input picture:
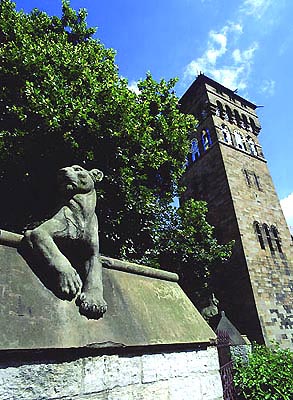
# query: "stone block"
(122, 371)
(185, 388)
(156, 390)
(41, 381)
(152, 367)
(94, 375)
(211, 386)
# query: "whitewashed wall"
(184, 375)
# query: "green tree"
(267, 375)
(185, 244)
(62, 102)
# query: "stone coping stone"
(120, 265)
(145, 307)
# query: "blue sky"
(244, 44)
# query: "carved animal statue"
(74, 226)
(211, 310)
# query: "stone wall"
(177, 375)
(270, 272)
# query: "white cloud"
(287, 206)
(236, 54)
(228, 57)
(248, 54)
(230, 77)
(227, 65)
(255, 8)
(241, 57)
(133, 87)
(268, 87)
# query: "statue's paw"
(91, 307)
(69, 284)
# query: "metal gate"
(226, 365)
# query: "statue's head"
(76, 179)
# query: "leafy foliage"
(62, 102)
(268, 374)
(185, 244)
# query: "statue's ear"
(96, 175)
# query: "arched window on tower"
(228, 113)
(226, 134)
(276, 238)
(245, 122)
(206, 139)
(252, 147)
(237, 116)
(239, 140)
(194, 150)
(219, 109)
(258, 232)
(225, 114)
(252, 124)
(268, 237)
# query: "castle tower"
(226, 167)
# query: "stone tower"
(226, 167)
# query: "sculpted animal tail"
(10, 239)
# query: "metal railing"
(226, 365)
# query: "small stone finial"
(211, 310)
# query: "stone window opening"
(252, 179)
(257, 181)
(204, 114)
(204, 110)
(245, 122)
(194, 150)
(206, 139)
(252, 146)
(252, 124)
(228, 113)
(276, 238)
(237, 117)
(268, 237)
(259, 150)
(247, 177)
(226, 134)
(244, 143)
(258, 232)
(219, 109)
(239, 140)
